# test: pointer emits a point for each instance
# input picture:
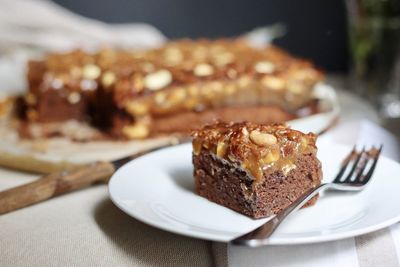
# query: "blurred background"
(356, 42)
(315, 29)
(359, 39)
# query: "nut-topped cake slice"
(256, 170)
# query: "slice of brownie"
(256, 170)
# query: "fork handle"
(260, 235)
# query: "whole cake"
(177, 87)
(254, 169)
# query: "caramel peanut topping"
(91, 71)
(202, 70)
(205, 74)
(108, 78)
(264, 67)
(158, 80)
(262, 139)
(256, 148)
(74, 98)
(136, 131)
(30, 99)
(179, 62)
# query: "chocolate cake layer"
(253, 169)
(129, 92)
(257, 114)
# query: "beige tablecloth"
(85, 229)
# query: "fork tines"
(359, 166)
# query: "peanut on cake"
(254, 169)
(172, 89)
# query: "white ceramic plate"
(157, 189)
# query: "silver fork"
(359, 165)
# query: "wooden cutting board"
(51, 154)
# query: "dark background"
(316, 29)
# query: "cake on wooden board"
(177, 87)
(254, 169)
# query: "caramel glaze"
(259, 149)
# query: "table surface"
(84, 228)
